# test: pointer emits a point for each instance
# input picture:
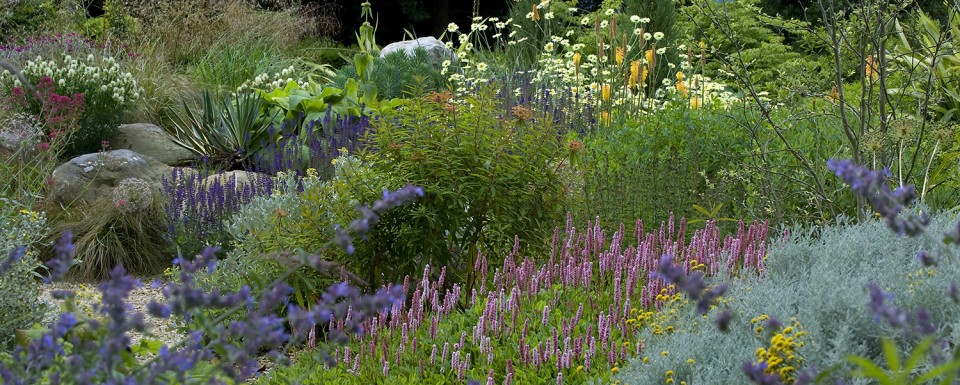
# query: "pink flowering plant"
(575, 316)
(106, 92)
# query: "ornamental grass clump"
(125, 229)
(531, 320)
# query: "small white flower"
(497, 35)
(585, 20)
(452, 27)
(481, 67)
(638, 31)
(661, 51)
(667, 82)
(609, 12)
(658, 35)
(604, 24)
(548, 47)
(647, 36)
(511, 34)
(645, 20)
(635, 18)
(530, 15)
(463, 38)
(671, 65)
(477, 18)
(500, 25)
(548, 15)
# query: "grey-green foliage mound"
(19, 287)
(818, 277)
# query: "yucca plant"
(226, 132)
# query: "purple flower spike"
(756, 372)
(61, 263)
(15, 256)
(926, 258)
(873, 186)
(723, 320)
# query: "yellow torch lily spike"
(634, 78)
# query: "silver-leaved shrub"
(19, 288)
(817, 279)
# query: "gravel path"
(88, 295)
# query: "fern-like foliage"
(399, 74)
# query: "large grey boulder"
(152, 141)
(437, 51)
(87, 178)
(253, 182)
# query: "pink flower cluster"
(561, 339)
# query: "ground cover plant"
(598, 192)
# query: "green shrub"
(760, 39)
(818, 278)
(19, 287)
(302, 215)
(24, 16)
(660, 164)
(488, 175)
(126, 229)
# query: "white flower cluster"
(88, 76)
(270, 82)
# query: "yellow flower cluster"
(781, 356)
(659, 321)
